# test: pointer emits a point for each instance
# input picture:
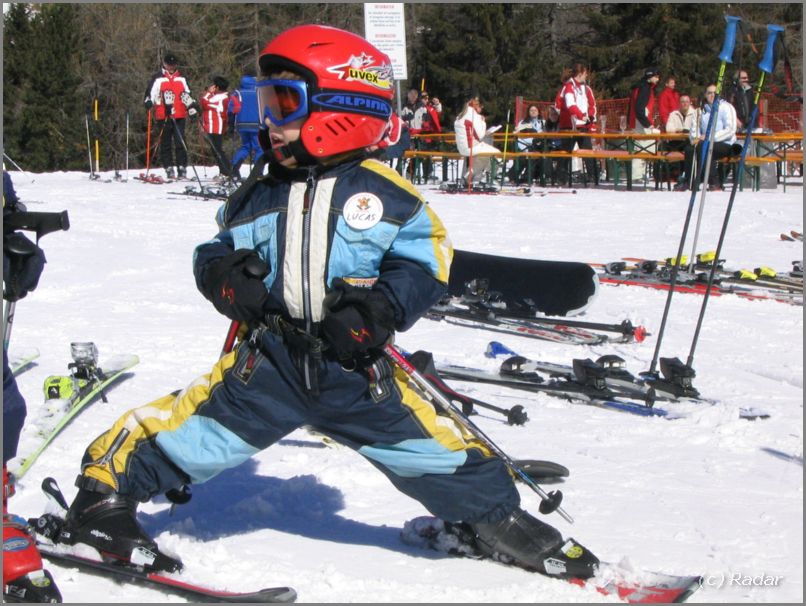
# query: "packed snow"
(708, 494)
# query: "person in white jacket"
(682, 120)
(471, 130)
(724, 135)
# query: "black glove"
(23, 262)
(234, 285)
(356, 319)
(194, 109)
(149, 104)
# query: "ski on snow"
(611, 580)
(608, 372)
(619, 273)
(21, 361)
(176, 585)
(47, 530)
(153, 179)
(591, 388)
(478, 314)
(759, 277)
(68, 395)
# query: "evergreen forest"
(60, 60)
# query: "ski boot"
(524, 541)
(169, 173)
(24, 579)
(103, 519)
(181, 172)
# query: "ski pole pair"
(766, 65)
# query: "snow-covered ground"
(709, 494)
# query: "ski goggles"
(282, 101)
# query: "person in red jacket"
(578, 113)
(169, 94)
(642, 115)
(214, 103)
(668, 101)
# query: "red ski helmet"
(346, 92)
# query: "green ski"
(20, 362)
(67, 396)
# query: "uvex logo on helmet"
(365, 69)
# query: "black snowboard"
(555, 288)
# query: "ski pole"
(726, 55)
(89, 144)
(97, 141)
(17, 166)
(148, 142)
(127, 147)
(766, 65)
(229, 341)
(185, 147)
(550, 501)
(255, 268)
(219, 159)
(504, 159)
(470, 160)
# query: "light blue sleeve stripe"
(415, 458)
(415, 242)
(203, 448)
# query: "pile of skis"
(605, 383)
(217, 191)
(760, 283)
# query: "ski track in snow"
(709, 494)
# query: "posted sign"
(385, 28)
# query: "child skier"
(327, 218)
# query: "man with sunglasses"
(321, 261)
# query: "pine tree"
(624, 39)
(16, 37)
(49, 118)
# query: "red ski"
(611, 580)
(129, 573)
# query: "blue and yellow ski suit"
(359, 221)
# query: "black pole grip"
(41, 223)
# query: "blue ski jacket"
(359, 221)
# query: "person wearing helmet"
(322, 260)
(169, 94)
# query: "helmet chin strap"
(295, 149)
